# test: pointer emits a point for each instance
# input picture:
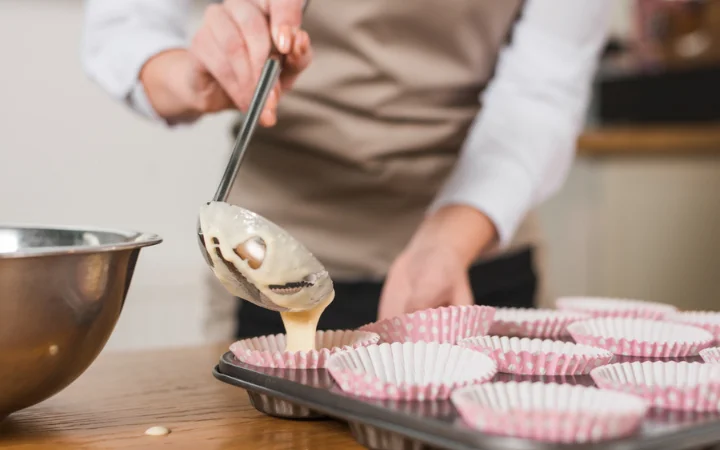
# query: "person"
(405, 143)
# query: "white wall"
(69, 155)
(638, 226)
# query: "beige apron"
(373, 127)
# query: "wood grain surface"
(123, 394)
(651, 140)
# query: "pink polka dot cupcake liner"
(711, 355)
(641, 337)
(615, 307)
(447, 324)
(269, 351)
(410, 370)
(524, 356)
(708, 320)
(549, 412)
(533, 323)
(665, 384)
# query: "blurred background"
(639, 216)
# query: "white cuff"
(139, 101)
(496, 186)
(118, 66)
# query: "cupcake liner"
(708, 320)
(549, 412)
(410, 370)
(269, 351)
(533, 323)
(615, 307)
(447, 324)
(641, 337)
(711, 355)
(537, 356)
(669, 385)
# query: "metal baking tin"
(402, 425)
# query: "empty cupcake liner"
(533, 323)
(539, 357)
(708, 320)
(669, 385)
(615, 307)
(410, 370)
(269, 351)
(549, 412)
(641, 337)
(711, 355)
(447, 324)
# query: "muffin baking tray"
(406, 425)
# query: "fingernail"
(283, 39)
(268, 118)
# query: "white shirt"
(522, 143)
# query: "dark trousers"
(508, 281)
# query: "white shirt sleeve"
(522, 143)
(120, 36)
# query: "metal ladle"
(268, 78)
(253, 251)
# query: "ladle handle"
(268, 78)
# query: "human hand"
(221, 68)
(432, 271)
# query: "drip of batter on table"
(260, 262)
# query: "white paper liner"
(410, 370)
(524, 356)
(549, 412)
(533, 323)
(447, 324)
(708, 320)
(269, 351)
(711, 355)
(615, 307)
(641, 337)
(665, 384)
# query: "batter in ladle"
(260, 262)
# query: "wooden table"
(123, 394)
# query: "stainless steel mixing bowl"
(61, 292)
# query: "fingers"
(234, 40)
(389, 308)
(462, 295)
(395, 295)
(221, 49)
(207, 96)
(297, 61)
(268, 117)
(233, 69)
(253, 26)
(285, 20)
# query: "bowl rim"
(135, 240)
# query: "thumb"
(285, 20)
(394, 296)
(391, 305)
(463, 295)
